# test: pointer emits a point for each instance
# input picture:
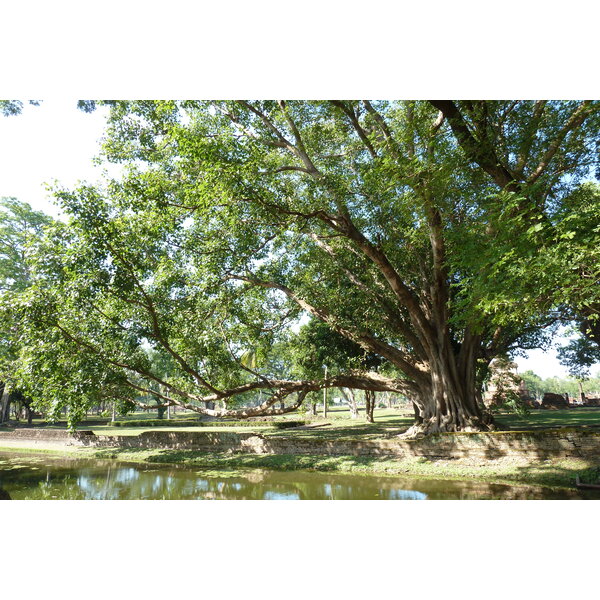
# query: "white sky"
(57, 142)
(53, 141)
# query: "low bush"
(287, 424)
(155, 423)
(193, 423)
(235, 424)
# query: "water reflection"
(28, 477)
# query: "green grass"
(545, 419)
(388, 422)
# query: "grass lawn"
(544, 419)
(338, 424)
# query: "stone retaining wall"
(44, 438)
(564, 443)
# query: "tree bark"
(4, 404)
(581, 392)
(350, 399)
(369, 405)
(388, 399)
(449, 403)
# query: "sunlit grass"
(388, 422)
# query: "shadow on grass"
(561, 475)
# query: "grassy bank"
(338, 426)
(559, 473)
(550, 473)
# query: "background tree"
(579, 356)
(20, 225)
(317, 346)
(534, 384)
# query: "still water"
(26, 476)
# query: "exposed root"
(446, 425)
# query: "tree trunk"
(4, 404)
(581, 392)
(350, 399)
(388, 399)
(369, 405)
(418, 417)
(448, 401)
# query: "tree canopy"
(20, 225)
(390, 222)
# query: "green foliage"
(196, 423)
(511, 403)
(547, 271)
(287, 424)
(155, 423)
(20, 226)
(579, 355)
(10, 108)
(534, 384)
(560, 385)
(317, 345)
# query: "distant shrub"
(155, 423)
(287, 424)
(216, 423)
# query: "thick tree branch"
(393, 317)
(152, 312)
(577, 118)
(392, 145)
(362, 134)
(299, 147)
(400, 289)
(477, 150)
(525, 149)
(401, 359)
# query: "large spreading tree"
(385, 220)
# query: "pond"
(41, 477)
